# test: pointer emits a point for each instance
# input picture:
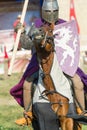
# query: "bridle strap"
(44, 43)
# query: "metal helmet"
(50, 11)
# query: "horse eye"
(42, 35)
(40, 30)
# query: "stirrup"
(29, 117)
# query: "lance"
(17, 38)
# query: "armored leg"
(27, 99)
(27, 89)
(27, 93)
(79, 91)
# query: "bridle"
(43, 39)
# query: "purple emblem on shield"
(67, 46)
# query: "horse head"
(43, 39)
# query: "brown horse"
(44, 44)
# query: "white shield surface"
(67, 46)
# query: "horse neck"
(47, 79)
(46, 64)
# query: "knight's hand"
(19, 26)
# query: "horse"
(44, 45)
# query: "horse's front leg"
(66, 123)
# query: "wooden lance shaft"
(18, 37)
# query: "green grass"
(9, 109)
(8, 115)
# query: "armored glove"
(19, 26)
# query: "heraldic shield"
(67, 46)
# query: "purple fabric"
(39, 22)
(83, 77)
(17, 92)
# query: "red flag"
(72, 14)
(5, 53)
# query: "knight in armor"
(22, 91)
